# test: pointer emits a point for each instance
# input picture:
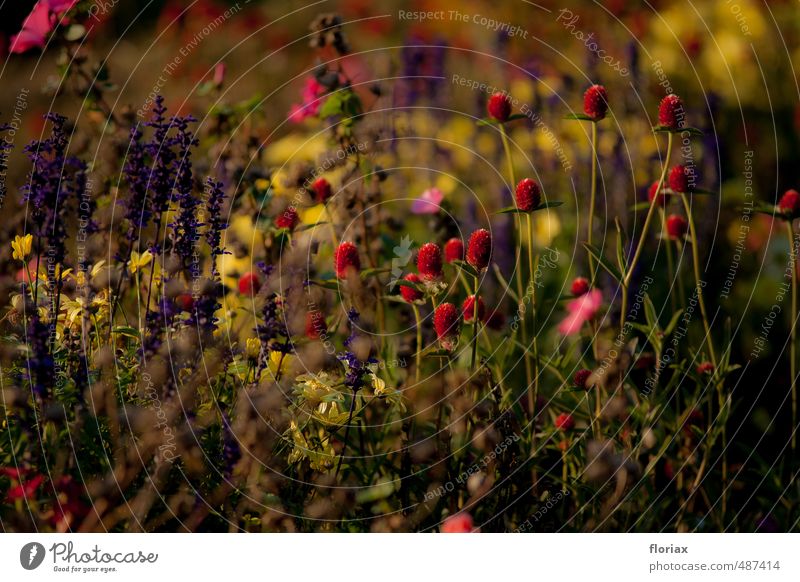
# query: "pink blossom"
(35, 29)
(311, 94)
(428, 202)
(459, 523)
(580, 311)
(59, 7)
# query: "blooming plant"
(387, 304)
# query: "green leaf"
(595, 252)
(673, 322)
(332, 105)
(404, 283)
(367, 273)
(504, 283)
(127, 331)
(516, 116)
(622, 238)
(578, 116)
(542, 206)
(466, 267)
(304, 227)
(640, 206)
(332, 284)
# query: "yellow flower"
(139, 261)
(275, 361)
(253, 348)
(22, 246)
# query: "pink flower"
(311, 94)
(459, 523)
(428, 202)
(580, 311)
(59, 7)
(35, 29)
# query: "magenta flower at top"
(580, 311)
(39, 24)
(311, 94)
(428, 202)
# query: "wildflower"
(580, 311)
(21, 245)
(479, 249)
(468, 308)
(346, 259)
(705, 368)
(499, 107)
(459, 523)
(139, 261)
(651, 194)
(447, 325)
(185, 301)
(789, 203)
(35, 30)
(219, 74)
(528, 195)
(23, 486)
(315, 325)
(409, 293)
(670, 112)
(428, 202)
(322, 190)
(581, 378)
(676, 226)
(454, 250)
(595, 102)
(311, 96)
(249, 283)
(681, 178)
(565, 422)
(215, 222)
(252, 348)
(287, 219)
(429, 261)
(580, 286)
(231, 453)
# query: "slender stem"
(698, 279)
(533, 267)
(643, 237)
(793, 348)
(346, 433)
(475, 326)
(418, 320)
(592, 268)
(518, 266)
(670, 262)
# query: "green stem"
(592, 268)
(638, 253)
(475, 326)
(698, 279)
(670, 262)
(793, 348)
(532, 266)
(520, 291)
(418, 320)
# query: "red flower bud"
(468, 308)
(580, 286)
(528, 195)
(670, 112)
(185, 301)
(429, 261)
(479, 249)
(287, 219)
(682, 178)
(453, 250)
(676, 226)
(315, 324)
(346, 259)
(249, 284)
(322, 190)
(459, 523)
(447, 324)
(581, 377)
(790, 203)
(595, 102)
(409, 293)
(705, 368)
(565, 422)
(499, 106)
(651, 193)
